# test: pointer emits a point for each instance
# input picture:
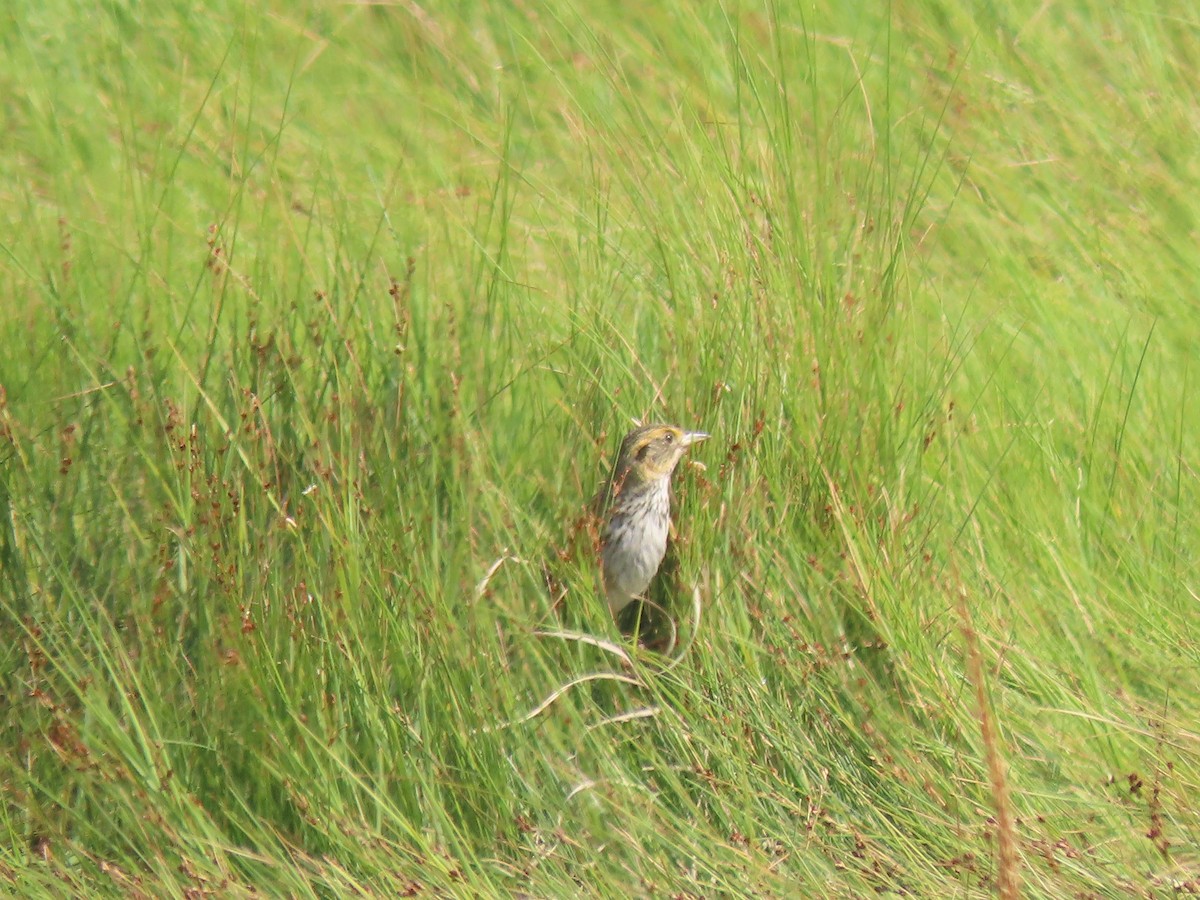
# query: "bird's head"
(652, 452)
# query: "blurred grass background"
(314, 313)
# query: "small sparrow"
(635, 507)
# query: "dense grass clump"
(322, 322)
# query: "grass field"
(320, 322)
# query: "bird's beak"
(694, 437)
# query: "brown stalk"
(1008, 879)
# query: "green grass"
(314, 313)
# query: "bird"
(635, 509)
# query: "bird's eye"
(669, 437)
